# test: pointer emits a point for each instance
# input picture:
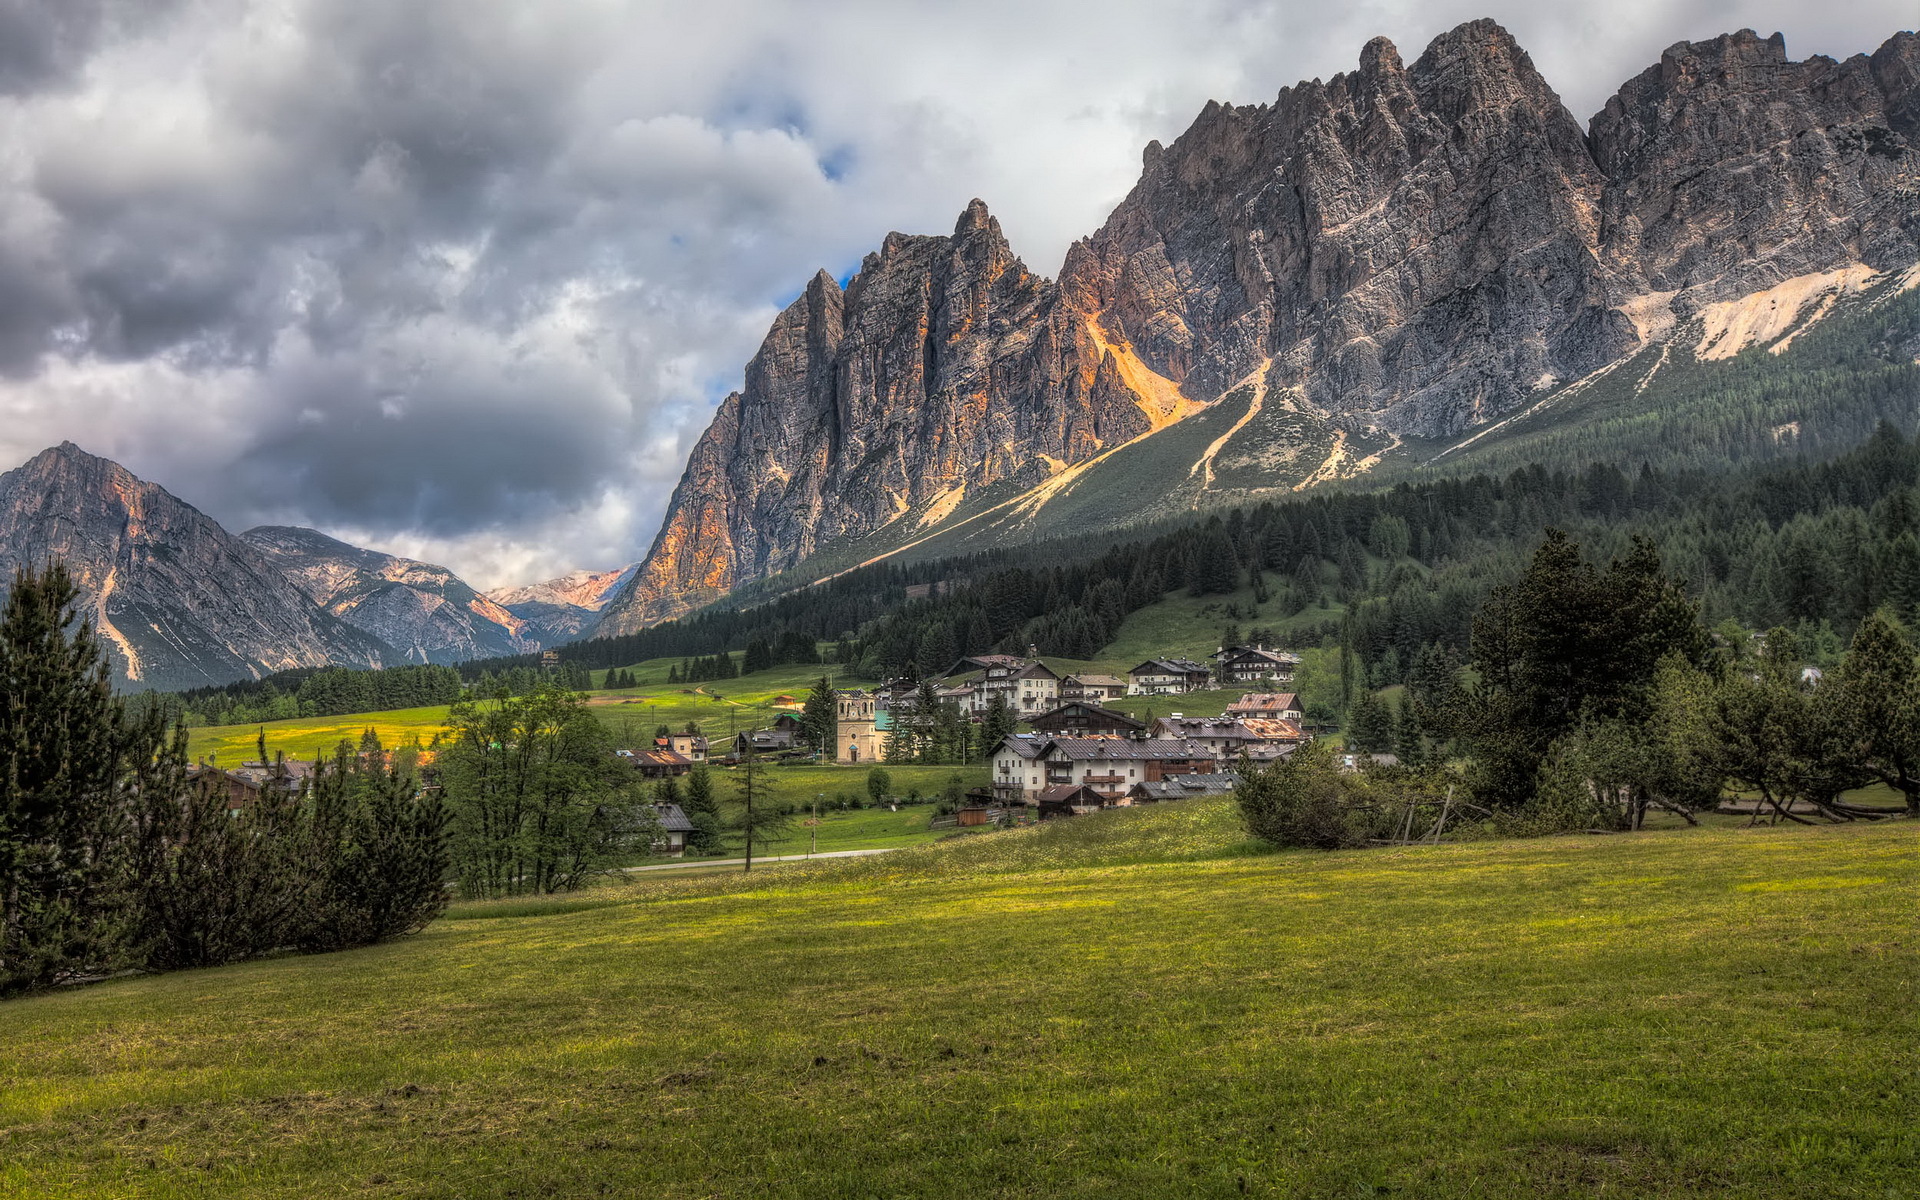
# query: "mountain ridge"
(424, 611)
(179, 601)
(1365, 268)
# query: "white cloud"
(463, 279)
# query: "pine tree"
(755, 817)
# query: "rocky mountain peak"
(1403, 251)
(422, 610)
(178, 600)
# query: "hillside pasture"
(1126, 1004)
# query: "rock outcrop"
(179, 602)
(1414, 250)
(425, 612)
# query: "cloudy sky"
(463, 279)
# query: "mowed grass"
(1129, 1004)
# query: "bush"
(1301, 800)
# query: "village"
(1068, 753)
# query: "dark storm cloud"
(465, 277)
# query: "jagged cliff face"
(1402, 251)
(425, 612)
(179, 602)
(944, 368)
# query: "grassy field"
(722, 708)
(304, 737)
(1132, 1004)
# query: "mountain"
(564, 609)
(1364, 276)
(178, 600)
(425, 612)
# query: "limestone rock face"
(943, 368)
(179, 602)
(425, 612)
(1420, 249)
(1414, 242)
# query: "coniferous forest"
(1813, 546)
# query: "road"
(770, 858)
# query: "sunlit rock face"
(1419, 248)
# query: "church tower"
(858, 736)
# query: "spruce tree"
(819, 718)
(60, 761)
(703, 812)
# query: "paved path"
(770, 858)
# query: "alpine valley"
(1409, 268)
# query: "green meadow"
(722, 708)
(1132, 1004)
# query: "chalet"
(1267, 706)
(674, 828)
(690, 746)
(786, 722)
(1095, 689)
(1167, 677)
(1081, 719)
(244, 787)
(1183, 787)
(1253, 664)
(1028, 687)
(1067, 800)
(765, 741)
(657, 763)
(1111, 765)
(1017, 768)
(963, 696)
(1229, 739)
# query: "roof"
(1098, 680)
(1065, 793)
(1273, 729)
(1024, 744)
(979, 662)
(769, 739)
(1265, 702)
(1094, 710)
(671, 819)
(655, 758)
(1259, 652)
(1179, 787)
(1124, 749)
(1171, 666)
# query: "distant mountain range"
(182, 603)
(179, 601)
(564, 609)
(1396, 267)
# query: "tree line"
(115, 854)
